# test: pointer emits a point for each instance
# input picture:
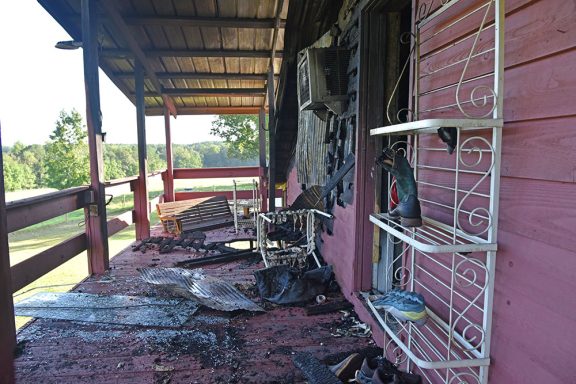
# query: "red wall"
(534, 318)
(293, 189)
(534, 301)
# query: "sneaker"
(345, 369)
(394, 294)
(405, 306)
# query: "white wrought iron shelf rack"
(452, 268)
(433, 345)
(433, 236)
(431, 126)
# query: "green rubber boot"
(408, 209)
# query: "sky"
(37, 81)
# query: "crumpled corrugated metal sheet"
(196, 285)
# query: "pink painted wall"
(293, 188)
(534, 315)
(534, 318)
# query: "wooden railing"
(27, 212)
(213, 173)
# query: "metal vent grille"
(335, 68)
(311, 150)
(303, 82)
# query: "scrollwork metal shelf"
(433, 236)
(451, 350)
(456, 81)
(431, 126)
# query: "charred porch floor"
(212, 347)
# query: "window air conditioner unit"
(323, 79)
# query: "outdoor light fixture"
(68, 44)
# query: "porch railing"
(27, 212)
(217, 173)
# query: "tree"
(120, 160)
(186, 157)
(67, 160)
(32, 156)
(16, 174)
(240, 133)
(156, 157)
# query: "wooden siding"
(311, 149)
(533, 310)
(533, 317)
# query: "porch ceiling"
(204, 57)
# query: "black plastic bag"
(283, 284)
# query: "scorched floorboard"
(212, 347)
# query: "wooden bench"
(195, 214)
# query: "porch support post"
(7, 326)
(271, 142)
(262, 152)
(96, 228)
(169, 178)
(140, 187)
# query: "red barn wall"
(534, 318)
(534, 315)
(534, 301)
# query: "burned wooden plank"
(220, 22)
(328, 308)
(218, 259)
(108, 309)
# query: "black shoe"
(370, 367)
(449, 136)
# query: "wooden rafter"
(212, 92)
(150, 53)
(199, 76)
(157, 111)
(277, 23)
(124, 30)
(188, 21)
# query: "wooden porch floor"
(213, 347)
